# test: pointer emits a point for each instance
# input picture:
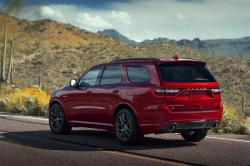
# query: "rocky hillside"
(207, 48)
(115, 34)
(60, 52)
(245, 52)
(231, 45)
(58, 68)
(216, 47)
(148, 42)
(45, 35)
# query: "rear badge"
(195, 95)
(176, 105)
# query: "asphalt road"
(29, 141)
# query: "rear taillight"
(172, 92)
(216, 91)
(160, 92)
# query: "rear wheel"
(127, 130)
(195, 136)
(57, 120)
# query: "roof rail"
(188, 58)
(134, 59)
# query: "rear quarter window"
(138, 74)
(185, 73)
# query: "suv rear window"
(195, 72)
(138, 74)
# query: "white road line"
(228, 139)
(3, 115)
(23, 117)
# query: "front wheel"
(195, 136)
(127, 130)
(57, 120)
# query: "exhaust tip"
(172, 128)
(215, 125)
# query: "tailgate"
(189, 86)
(193, 100)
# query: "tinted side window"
(138, 74)
(90, 78)
(111, 75)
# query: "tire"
(57, 120)
(195, 136)
(127, 130)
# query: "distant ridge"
(115, 34)
(231, 45)
(204, 47)
(216, 47)
(245, 52)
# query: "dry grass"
(44, 37)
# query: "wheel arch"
(55, 101)
(124, 105)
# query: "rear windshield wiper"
(201, 79)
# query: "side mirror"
(73, 82)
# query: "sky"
(148, 19)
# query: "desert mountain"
(148, 42)
(60, 52)
(207, 48)
(44, 35)
(216, 47)
(231, 45)
(117, 35)
(245, 52)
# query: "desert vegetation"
(233, 122)
(29, 101)
(60, 52)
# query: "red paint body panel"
(95, 106)
(105, 98)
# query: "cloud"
(149, 32)
(179, 17)
(120, 16)
(47, 12)
(137, 40)
(137, 19)
(95, 21)
(201, 1)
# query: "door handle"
(115, 91)
(89, 92)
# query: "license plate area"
(195, 95)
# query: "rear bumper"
(180, 126)
(185, 121)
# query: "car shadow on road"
(95, 139)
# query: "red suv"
(133, 97)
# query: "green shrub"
(30, 101)
(232, 122)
